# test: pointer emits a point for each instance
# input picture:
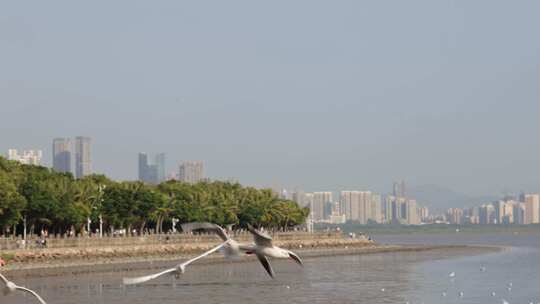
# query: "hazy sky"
(323, 95)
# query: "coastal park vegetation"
(43, 200)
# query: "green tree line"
(58, 203)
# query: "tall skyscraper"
(349, 204)
(486, 214)
(299, 197)
(356, 205)
(191, 172)
(83, 160)
(411, 212)
(143, 166)
(389, 209)
(376, 203)
(62, 155)
(519, 213)
(399, 188)
(320, 203)
(423, 212)
(455, 215)
(532, 207)
(499, 211)
(160, 166)
(28, 157)
(153, 173)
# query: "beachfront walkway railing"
(142, 240)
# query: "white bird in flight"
(11, 287)
(263, 247)
(178, 270)
(452, 274)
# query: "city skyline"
(361, 207)
(432, 105)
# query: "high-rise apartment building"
(364, 210)
(423, 212)
(299, 197)
(532, 207)
(160, 167)
(28, 157)
(455, 215)
(153, 173)
(389, 208)
(375, 210)
(356, 205)
(519, 213)
(191, 172)
(508, 217)
(486, 214)
(411, 212)
(498, 206)
(321, 201)
(83, 160)
(399, 188)
(62, 154)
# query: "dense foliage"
(58, 203)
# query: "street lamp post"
(24, 232)
(88, 221)
(100, 226)
(100, 201)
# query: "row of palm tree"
(55, 202)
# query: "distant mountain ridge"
(439, 199)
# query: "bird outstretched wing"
(138, 280)
(206, 227)
(260, 238)
(266, 264)
(32, 293)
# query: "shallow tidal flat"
(60, 261)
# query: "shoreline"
(150, 262)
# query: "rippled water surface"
(414, 277)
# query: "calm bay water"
(414, 277)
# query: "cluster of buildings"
(154, 172)
(524, 210)
(27, 157)
(74, 155)
(362, 207)
(70, 156)
(67, 152)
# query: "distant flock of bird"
(262, 248)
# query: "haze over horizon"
(308, 94)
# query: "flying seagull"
(231, 250)
(263, 247)
(178, 270)
(11, 287)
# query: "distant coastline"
(436, 229)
